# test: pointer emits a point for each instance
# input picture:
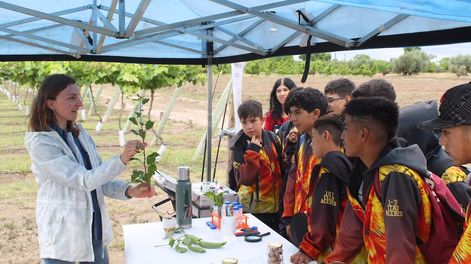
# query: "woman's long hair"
(276, 109)
(42, 117)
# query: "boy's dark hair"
(250, 108)
(307, 99)
(332, 123)
(375, 87)
(375, 109)
(342, 87)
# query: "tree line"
(413, 61)
(135, 77)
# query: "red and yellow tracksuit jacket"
(455, 178)
(462, 253)
(257, 171)
(389, 227)
(295, 198)
(326, 204)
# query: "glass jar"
(275, 253)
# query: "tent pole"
(94, 21)
(210, 116)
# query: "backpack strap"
(277, 142)
(279, 152)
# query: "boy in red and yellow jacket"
(305, 106)
(454, 121)
(256, 156)
(327, 196)
(387, 225)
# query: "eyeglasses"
(331, 100)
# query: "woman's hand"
(130, 149)
(142, 190)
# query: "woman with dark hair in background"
(277, 116)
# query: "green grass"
(15, 162)
(12, 141)
(19, 189)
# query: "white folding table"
(141, 241)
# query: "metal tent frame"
(208, 32)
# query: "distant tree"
(411, 62)
(383, 67)
(253, 67)
(460, 64)
(361, 60)
(444, 63)
(434, 67)
(408, 49)
(223, 69)
(317, 56)
(462, 71)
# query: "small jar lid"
(275, 245)
(229, 261)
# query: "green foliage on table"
(193, 243)
(218, 199)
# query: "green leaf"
(135, 132)
(142, 134)
(212, 196)
(151, 170)
(149, 124)
(145, 101)
(180, 249)
(151, 157)
(171, 241)
(133, 120)
(219, 199)
(138, 176)
(169, 234)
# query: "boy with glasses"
(338, 93)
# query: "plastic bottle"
(215, 217)
(226, 208)
(238, 215)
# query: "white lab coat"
(64, 208)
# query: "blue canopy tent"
(208, 32)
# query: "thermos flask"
(183, 198)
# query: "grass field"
(18, 235)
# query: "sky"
(387, 54)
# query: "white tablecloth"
(140, 241)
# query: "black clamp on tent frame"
(307, 63)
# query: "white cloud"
(391, 53)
